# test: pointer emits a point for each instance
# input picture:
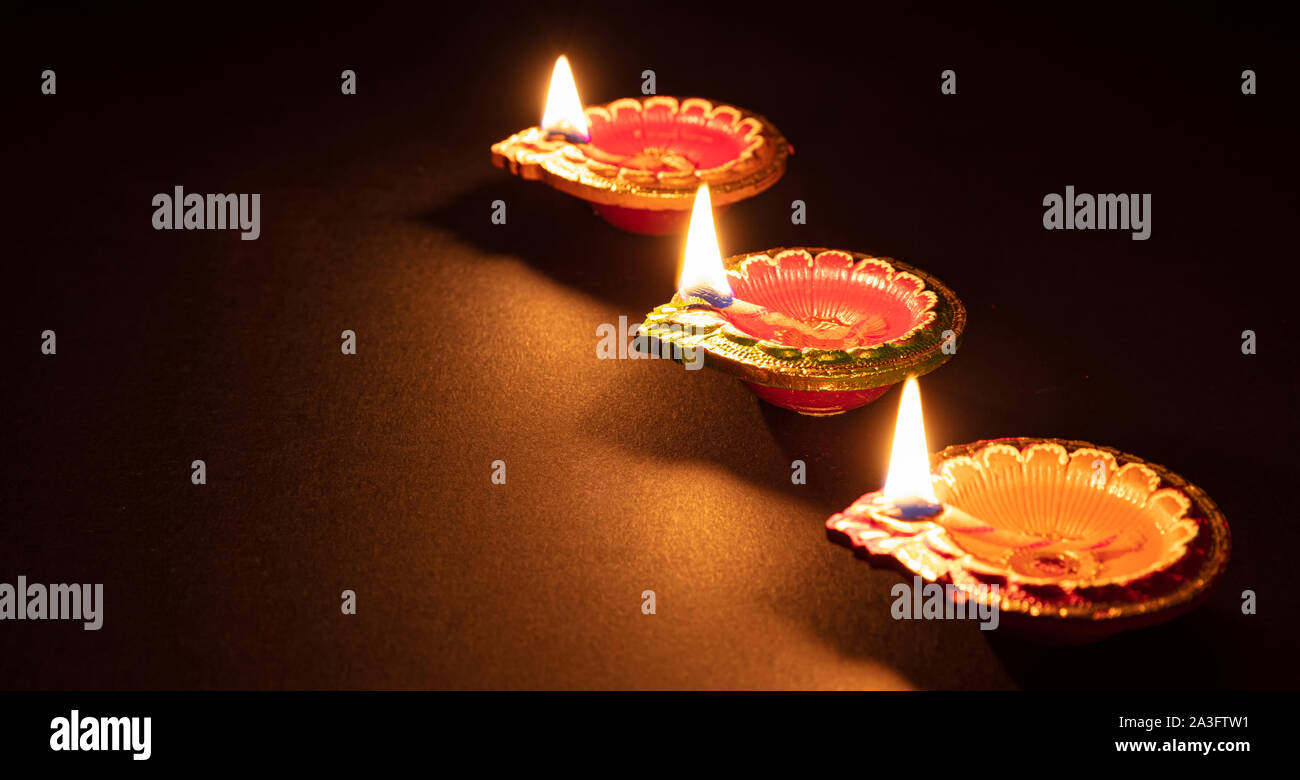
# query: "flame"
(909, 460)
(564, 112)
(702, 270)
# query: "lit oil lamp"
(817, 331)
(639, 161)
(1082, 541)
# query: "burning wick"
(704, 281)
(703, 277)
(738, 308)
(564, 115)
(564, 119)
(908, 493)
(908, 508)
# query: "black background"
(477, 342)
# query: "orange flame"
(564, 112)
(702, 263)
(909, 460)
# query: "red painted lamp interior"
(660, 138)
(835, 307)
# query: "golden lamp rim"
(575, 179)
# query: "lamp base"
(817, 403)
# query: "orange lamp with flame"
(639, 161)
(1081, 541)
(813, 330)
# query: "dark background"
(477, 342)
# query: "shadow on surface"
(562, 238)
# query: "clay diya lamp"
(1082, 541)
(639, 161)
(818, 331)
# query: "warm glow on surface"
(909, 460)
(702, 263)
(563, 112)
